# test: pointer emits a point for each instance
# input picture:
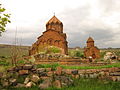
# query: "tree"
(4, 19)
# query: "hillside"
(7, 50)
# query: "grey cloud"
(78, 25)
(78, 32)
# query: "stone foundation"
(57, 78)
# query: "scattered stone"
(81, 71)
(73, 76)
(5, 83)
(29, 84)
(57, 84)
(26, 80)
(112, 69)
(45, 77)
(50, 73)
(82, 75)
(67, 71)
(117, 69)
(95, 75)
(64, 79)
(91, 75)
(59, 70)
(11, 70)
(33, 70)
(48, 69)
(1, 74)
(27, 67)
(118, 78)
(19, 85)
(115, 74)
(74, 72)
(110, 55)
(93, 70)
(23, 72)
(101, 73)
(13, 82)
(88, 71)
(113, 78)
(86, 76)
(46, 84)
(77, 76)
(17, 68)
(40, 70)
(35, 78)
(107, 74)
(56, 77)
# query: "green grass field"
(53, 66)
(6, 50)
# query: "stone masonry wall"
(47, 77)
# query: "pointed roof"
(90, 39)
(54, 19)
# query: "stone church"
(91, 50)
(53, 36)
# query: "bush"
(21, 62)
(76, 53)
(4, 62)
(54, 49)
(47, 49)
(53, 66)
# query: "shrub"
(32, 59)
(4, 62)
(76, 53)
(53, 66)
(54, 49)
(47, 49)
(21, 62)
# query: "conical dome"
(55, 24)
(54, 20)
(90, 39)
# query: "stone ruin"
(29, 76)
(110, 56)
(53, 36)
(91, 51)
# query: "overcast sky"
(99, 19)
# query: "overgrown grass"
(83, 84)
(93, 84)
(91, 67)
(77, 67)
(4, 68)
(53, 66)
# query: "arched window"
(50, 41)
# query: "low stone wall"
(71, 62)
(57, 78)
(60, 61)
(105, 73)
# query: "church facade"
(91, 50)
(53, 36)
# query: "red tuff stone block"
(48, 69)
(59, 70)
(57, 84)
(67, 71)
(23, 72)
(50, 73)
